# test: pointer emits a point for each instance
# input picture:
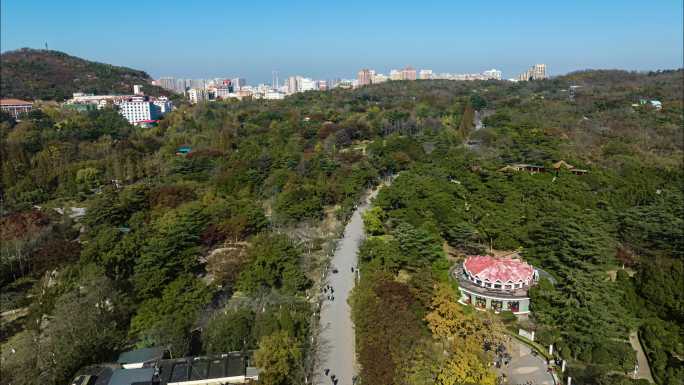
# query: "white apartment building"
(139, 109)
(222, 92)
(274, 95)
(197, 95)
(536, 72)
(103, 100)
(345, 84)
(135, 108)
(306, 84)
(379, 78)
(425, 74)
(493, 74)
(395, 75)
(164, 104)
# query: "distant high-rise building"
(425, 74)
(492, 74)
(408, 73)
(332, 83)
(197, 83)
(395, 75)
(539, 71)
(197, 95)
(344, 84)
(224, 90)
(181, 85)
(168, 83)
(322, 85)
(536, 72)
(292, 85)
(238, 83)
(305, 84)
(364, 77)
(379, 78)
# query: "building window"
(487, 284)
(497, 286)
(514, 306)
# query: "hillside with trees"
(112, 235)
(37, 74)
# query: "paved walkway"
(525, 366)
(644, 370)
(336, 340)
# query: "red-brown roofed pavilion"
(496, 283)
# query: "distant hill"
(53, 75)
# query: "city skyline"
(325, 40)
(282, 78)
(221, 88)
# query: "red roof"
(493, 269)
(14, 102)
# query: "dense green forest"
(232, 238)
(37, 74)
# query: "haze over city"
(326, 40)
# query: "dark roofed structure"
(216, 369)
(136, 358)
(132, 376)
(210, 370)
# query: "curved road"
(644, 370)
(336, 340)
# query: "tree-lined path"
(336, 340)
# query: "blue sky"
(328, 38)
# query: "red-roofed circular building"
(496, 283)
